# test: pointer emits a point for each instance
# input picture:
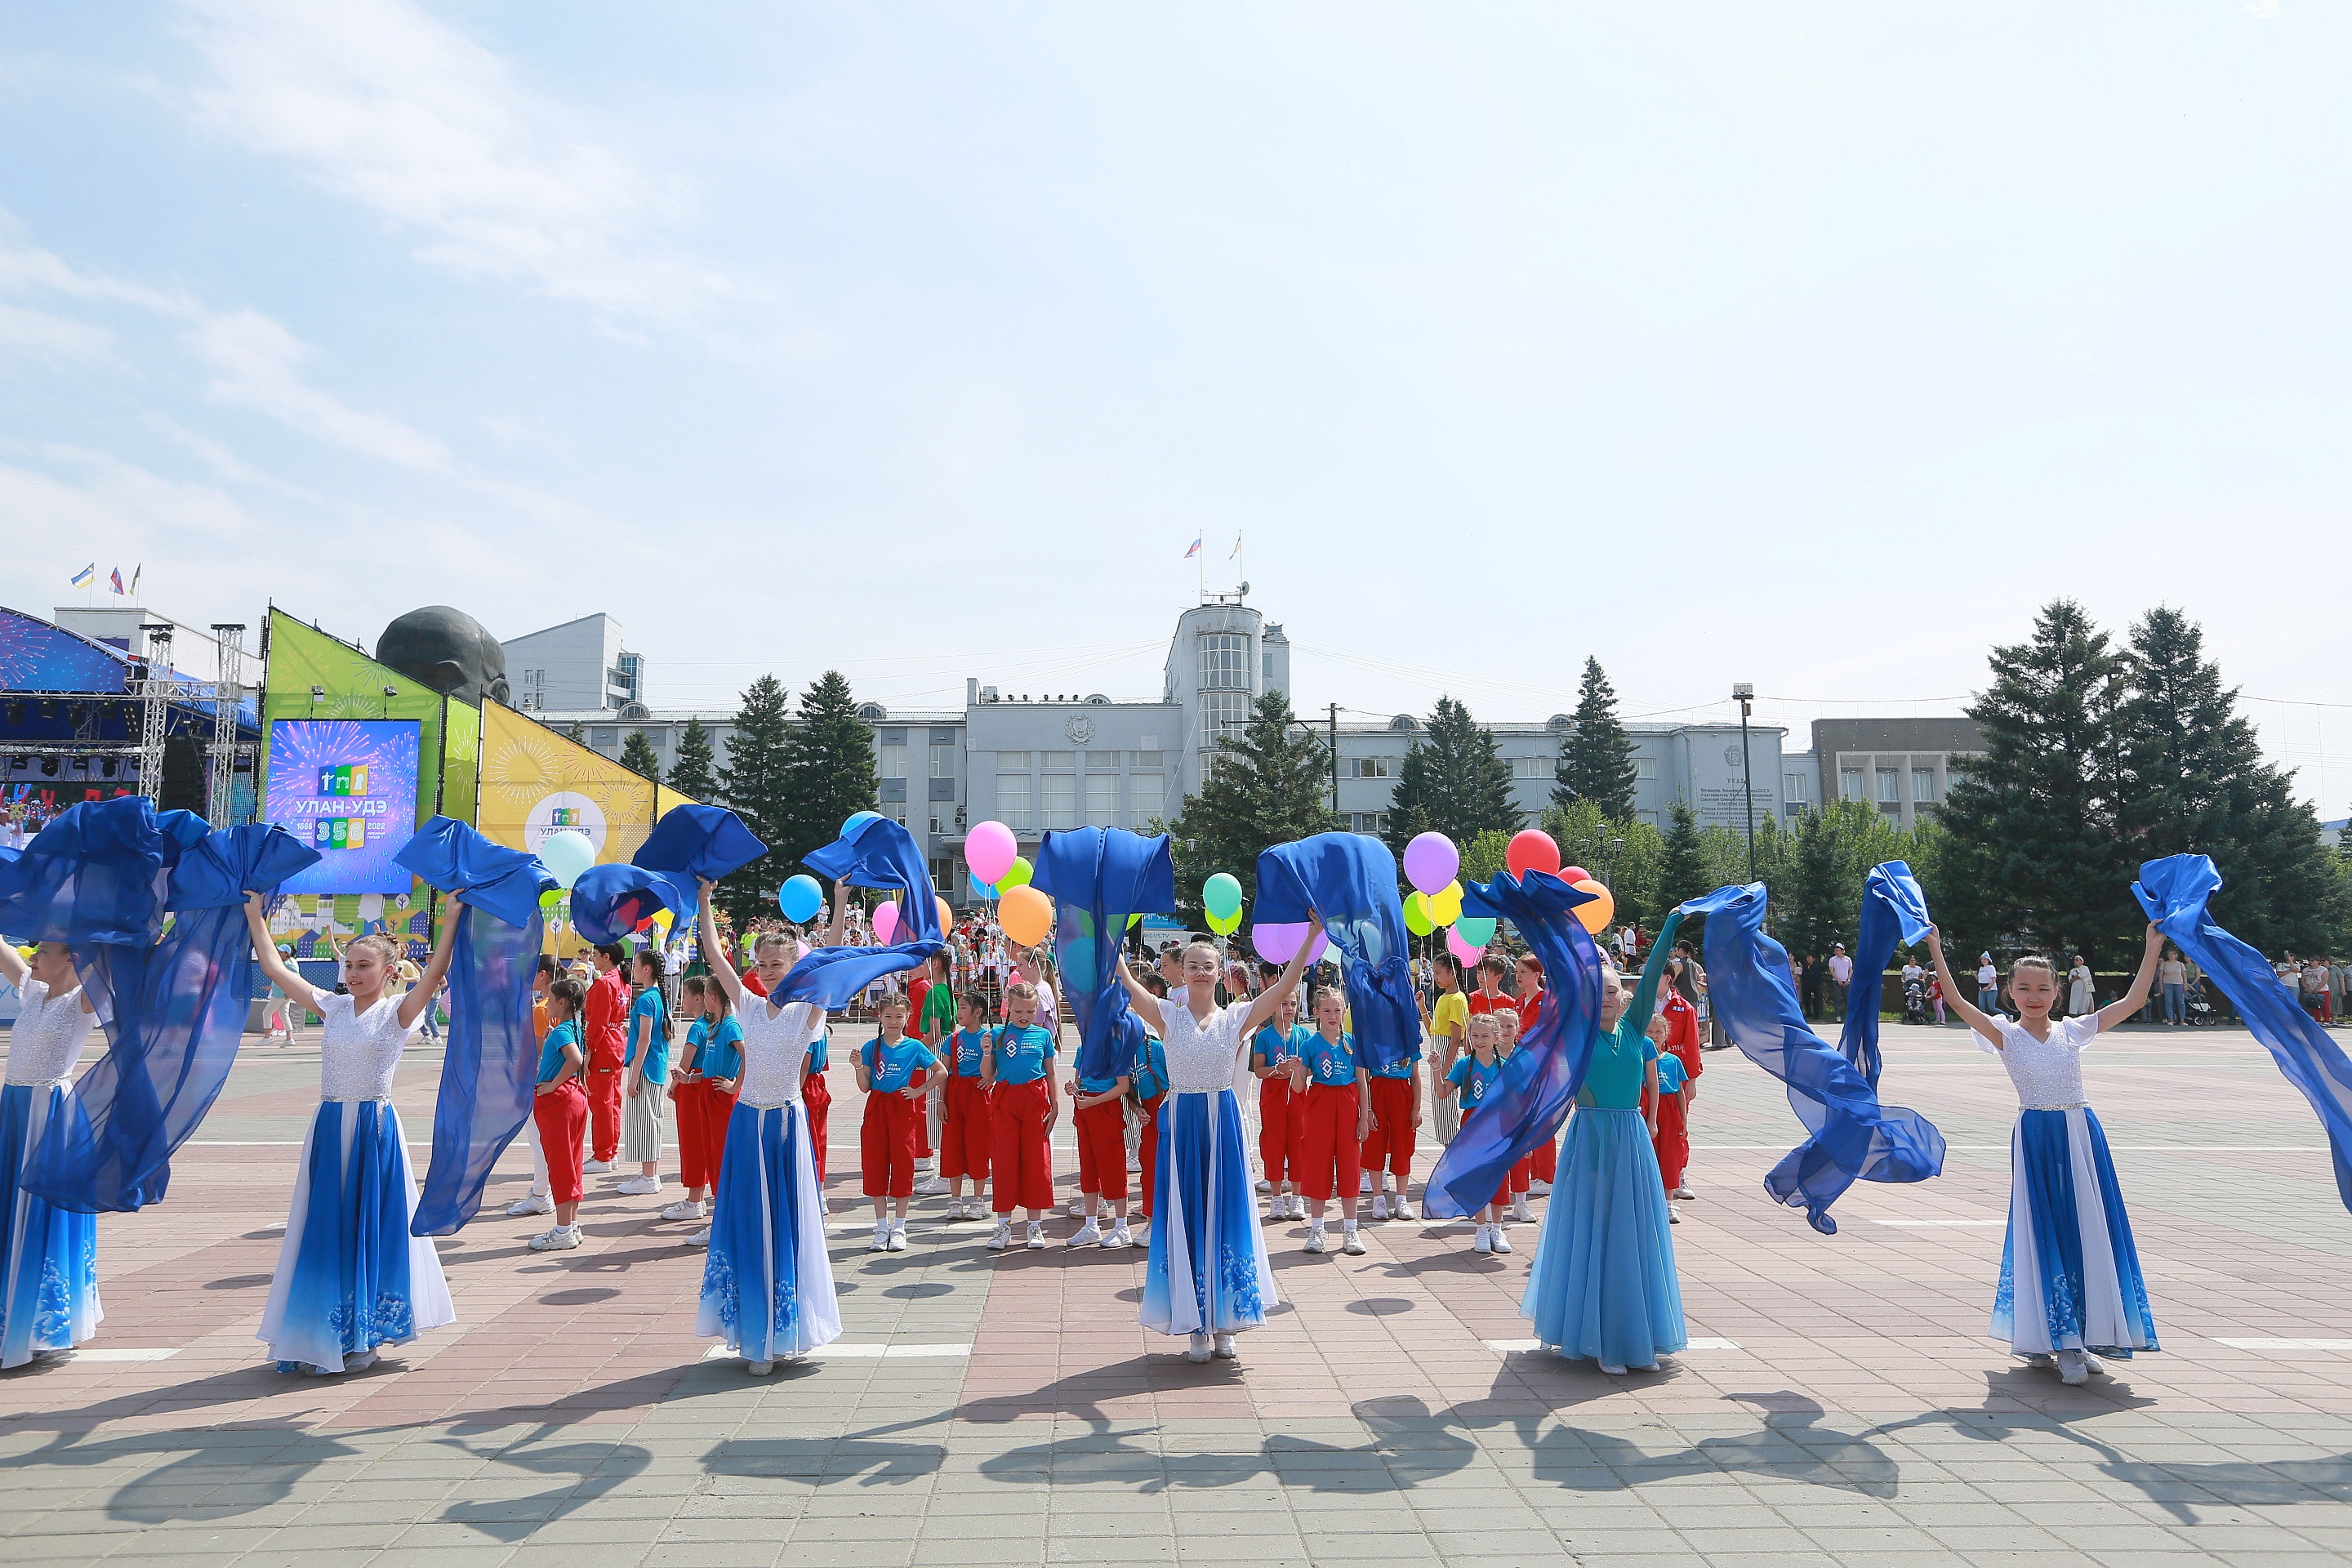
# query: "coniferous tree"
(637, 756)
(1267, 786)
(828, 770)
(695, 774)
(1456, 781)
(2036, 853)
(1683, 870)
(1596, 757)
(753, 783)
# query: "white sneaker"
(1001, 1237)
(2093, 1365)
(1672, 1219)
(1380, 1205)
(930, 1186)
(1077, 1208)
(881, 1242)
(897, 1239)
(1363, 1184)
(1118, 1236)
(1612, 1369)
(639, 1188)
(1485, 1241)
(1401, 1207)
(1297, 1208)
(359, 1362)
(1519, 1210)
(687, 1209)
(1196, 1349)
(1223, 1347)
(1264, 1185)
(594, 1167)
(2071, 1370)
(531, 1203)
(758, 1368)
(1089, 1235)
(1502, 1242)
(562, 1238)
(700, 1239)
(1538, 1187)
(1315, 1238)
(1037, 1241)
(1350, 1243)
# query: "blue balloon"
(855, 820)
(984, 890)
(800, 899)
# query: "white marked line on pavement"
(839, 1351)
(1515, 1347)
(120, 1355)
(2286, 1345)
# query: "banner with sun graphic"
(537, 780)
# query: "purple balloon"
(1276, 943)
(1430, 862)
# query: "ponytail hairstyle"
(566, 991)
(716, 1005)
(387, 952)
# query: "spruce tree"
(637, 756)
(2036, 855)
(1682, 872)
(1455, 779)
(1596, 757)
(753, 785)
(1267, 785)
(828, 770)
(695, 774)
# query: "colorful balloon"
(1017, 875)
(947, 915)
(1221, 895)
(1416, 914)
(1276, 943)
(1572, 875)
(1431, 860)
(855, 820)
(886, 921)
(1026, 914)
(1476, 931)
(1595, 916)
(566, 854)
(800, 899)
(1445, 905)
(1531, 849)
(1460, 949)
(1225, 925)
(987, 850)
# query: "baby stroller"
(1915, 1000)
(2200, 1006)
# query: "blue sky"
(1813, 350)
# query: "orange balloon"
(1595, 916)
(947, 915)
(1027, 915)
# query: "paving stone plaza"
(1840, 1401)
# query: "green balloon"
(1475, 930)
(1416, 915)
(1225, 925)
(1221, 895)
(1016, 875)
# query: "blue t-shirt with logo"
(969, 1043)
(1671, 1074)
(891, 1068)
(1276, 1045)
(722, 1050)
(550, 1055)
(1022, 1054)
(1475, 1078)
(645, 1015)
(1401, 1067)
(1330, 1063)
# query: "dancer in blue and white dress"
(48, 1256)
(2071, 1288)
(767, 1286)
(350, 1277)
(1207, 1276)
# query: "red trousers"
(1150, 1148)
(1543, 1165)
(965, 1130)
(1020, 1158)
(817, 1097)
(1672, 1140)
(1278, 1113)
(1391, 1144)
(605, 1111)
(1515, 1181)
(561, 1115)
(702, 1113)
(1328, 1142)
(1102, 1149)
(886, 1143)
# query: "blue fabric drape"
(2174, 891)
(689, 843)
(1852, 1137)
(1097, 877)
(1525, 1106)
(876, 853)
(1894, 911)
(174, 1010)
(491, 1059)
(1351, 881)
(93, 875)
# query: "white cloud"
(388, 106)
(255, 363)
(39, 334)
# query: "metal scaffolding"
(228, 689)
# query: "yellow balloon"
(1445, 904)
(1595, 916)
(662, 919)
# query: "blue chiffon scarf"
(690, 844)
(875, 853)
(1098, 877)
(1350, 880)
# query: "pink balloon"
(989, 850)
(1460, 949)
(1276, 943)
(886, 922)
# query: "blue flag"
(1097, 877)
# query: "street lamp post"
(1744, 693)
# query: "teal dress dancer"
(1604, 1286)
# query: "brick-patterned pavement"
(1839, 1403)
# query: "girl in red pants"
(1396, 1126)
(965, 1127)
(718, 1064)
(1338, 1113)
(890, 1069)
(688, 1105)
(1099, 1117)
(1024, 1105)
(1543, 1160)
(1273, 1050)
(1683, 1044)
(558, 1108)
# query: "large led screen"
(347, 787)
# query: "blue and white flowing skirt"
(1604, 1286)
(2070, 1277)
(48, 1256)
(350, 1277)
(1208, 1272)
(767, 1284)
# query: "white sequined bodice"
(358, 1051)
(45, 1044)
(776, 1043)
(2047, 1073)
(1200, 1057)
